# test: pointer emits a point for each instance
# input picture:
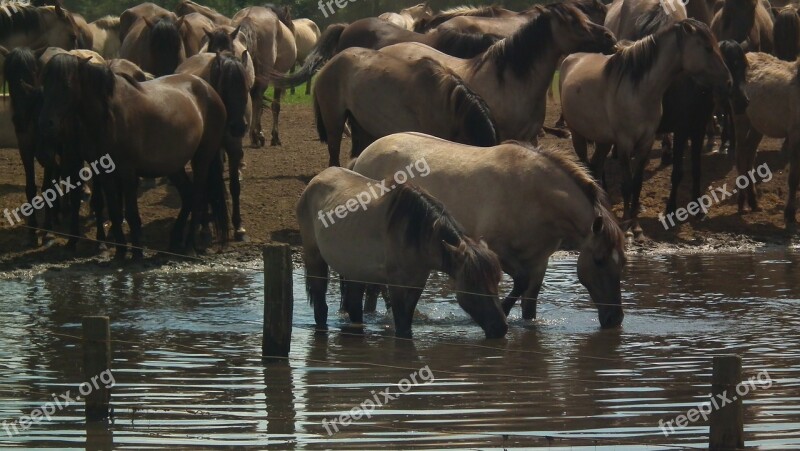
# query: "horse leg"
(182, 183)
(794, 179)
(235, 156)
(256, 131)
(294, 69)
(666, 150)
(353, 301)
(132, 216)
(404, 304)
(28, 164)
(276, 112)
(531, 294)
(114, 204)
(49, 182)
(561, 122)
(639, 163)
(677, 170)
(580, 145)
(97, 203)
(520, 285)
(747, 140)
(317, 285)
(598, 162)
(697, 154)
(75, 198)
(371, 299)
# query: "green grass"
(299, 97)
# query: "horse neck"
(661, 74)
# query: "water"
(188, 373)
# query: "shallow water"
(188, 373)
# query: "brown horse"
(786, 33)
(421, 96)
(773, 91)
(149, 129)
(267, 34)
(408, 16)
(373, 33)
(616, 100)
(232, 81)
(105, 36)
(514, 74)
(634, 19)
(131, 15)
(155, 44)
(24, 25)
(747, 22)
(186, 7)
(426, 24)
(194, 31)
(400, 239)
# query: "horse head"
(600, 265)
(736, 61)
(572, 31)
(700, 56)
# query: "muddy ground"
(275, 177)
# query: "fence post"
(727, 423)
(96, 360)
(278, 302)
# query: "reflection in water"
(188, 372)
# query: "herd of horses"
(463, 89)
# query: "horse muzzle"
(611, 317)
(498, 330)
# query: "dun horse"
(514, 74)
(105, 36)
(399, 240)
(186, 7)
(421, 97)
(772, 86)
(786, 33)
(408, 16)
(306, 35)
(155, 46)
(616, 100)
(150, 129)
(232, 80)
(562, 203)
(747, 22)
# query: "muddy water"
(188, 373)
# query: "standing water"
(187, 369)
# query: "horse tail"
(321, 130)
(786, 34)
(284, 14)
(464, 45)
(21, 66)
(467, 107)
(322, 52)
(216, 197)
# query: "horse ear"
(454, 250)
(60, 11)
(687, 27)
(236, 32)
(244, 58)
(597, 225)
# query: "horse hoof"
(241, 236)
(275, 142)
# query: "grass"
(299, 97)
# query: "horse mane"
(188, 3)
(284, 14)
(786, 33)
(522, 49)
(421, 217)
(464, 45)
(595, 194)
(107, 23)
(634, 60)
(589, 6)
(652, 21)
(731, 7)
(470, 108)
(483, 11)
(165, 41)
(16, 17)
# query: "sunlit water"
(188, 372)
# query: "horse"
(421, 96)
(375, 34)
(85, 37)
(232, 80)
(772, 88)
(616, 100)
(306, 35)
(194, 30)
(688, 107)
(149, 129)
(744, 21)
(514, 74)
(424, 25)
(155, 46)
(786, 33)
(407, 17)
(399, 239)
(186, 7)
(105, 36)
(130, 16)
(507, 24)
(267, 34)
(562, 204)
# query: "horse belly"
(351, 250)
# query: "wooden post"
(96, 360)
(727, 422)
(278, 302)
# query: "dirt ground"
(275, 177)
